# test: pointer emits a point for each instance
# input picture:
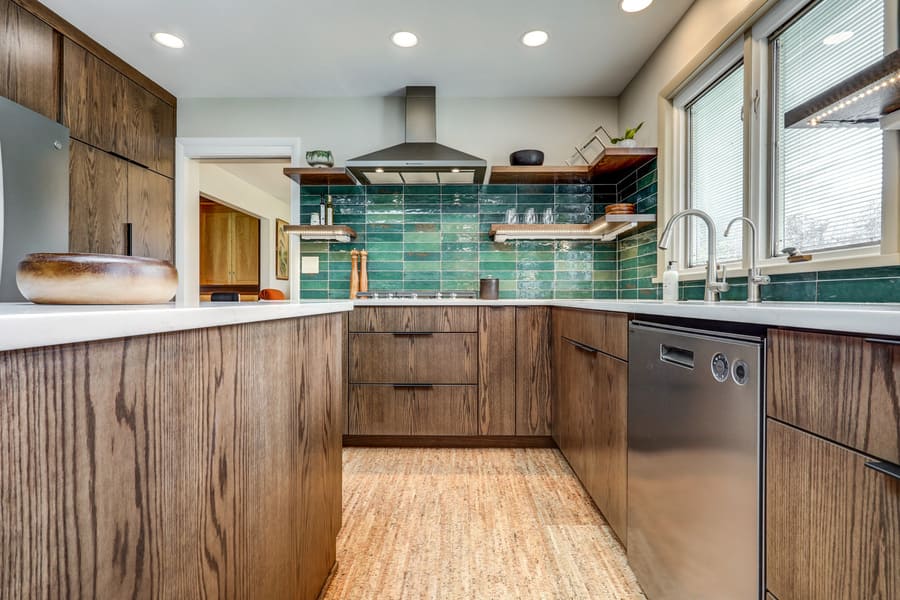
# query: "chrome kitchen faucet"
(714, 287)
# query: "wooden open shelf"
(322, 233)
(604, 229)
(608, 163)
(320, 176)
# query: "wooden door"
(497, 370)
(98, 200)
(149, 130)
(532, 360)
(832, 524)
(244, 249)
(93, 96)
(215, 245)
(28, 63)
(151, 207)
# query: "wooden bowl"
(47, 278)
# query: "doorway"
(229, 251)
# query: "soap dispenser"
(670, 282)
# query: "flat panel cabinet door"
(151, 207)
(149, 130)
(832, 524)
(245, 249)
(98, 200)
(497, 370)
(533, 404)
(27, 60)
(435, 410)
(93, 99)
(215, 247)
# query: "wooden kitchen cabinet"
(532, 359)
(98, 200)
(229, 247)
(422, 319)
(396, 358)
(439, 410)
(590, 413)
(832, 524)
(151, 207)
(497, 370)
(28, 60)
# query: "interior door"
(151, 204)
(245, 249)
(215, 246)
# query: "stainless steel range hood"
(420, 159)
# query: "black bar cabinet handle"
(420, 386)
(885, 467)
(580, 346)
(129, 248)
(882, 341)
(412, 334)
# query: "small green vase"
(320, 158)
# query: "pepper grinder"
(354, 274)
(364, 272)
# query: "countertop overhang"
(26, 325)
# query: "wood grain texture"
(345, 372)
(843, 388)
(149, 130)
(448, 441)
(497, 370)
(98, 200)
(374, 319)
(440, 358)
(439, 410)
(832, 525)
(194, 464)
(28, 61)
(93, 99)
(215, 244)
(607, 332)
(151, 211)
(73, 33)
(245, 249)
(533, 394)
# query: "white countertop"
(877, 319)
(26, 325)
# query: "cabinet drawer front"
(386, 319)
(844, 388)
(604, 331)
(436, 410)
(439, 358)
(832, 525)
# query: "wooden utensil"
(364, 271)
(354, 274)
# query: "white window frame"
(753, 46)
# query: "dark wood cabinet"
(832, 524)
(106, 194)
(497, 370)
(98, 200)
(396, 358)
(438, 410)
(422, 319)
(28, 60)
(532, 359)
(590, 411)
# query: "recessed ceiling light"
(535, 38)
(379, 170)
(635, 5)
(837, 38)
(405, 39)
(168, 40)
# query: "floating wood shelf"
(862, 99)
(322, 233)
(609, 162)
(320, 176)
(604, 229)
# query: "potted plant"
(627, 140)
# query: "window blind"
(828, 180)
(716, 165)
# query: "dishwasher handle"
(676, 356)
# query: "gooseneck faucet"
(754, 278)
(714, 287)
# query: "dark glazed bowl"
(521, 158)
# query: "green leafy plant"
(629, 134)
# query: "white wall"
(220, 185)
(705, 25)
(487, 127)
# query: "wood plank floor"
(472, 523)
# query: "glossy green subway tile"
(422, 266)
(604, 275)
(454, 265)
(384, 266)
(535, 275)
(871, 273)
(788, 292)
(859, 290)
(422, 256)
(574, 294)
(535, 265)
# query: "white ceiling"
(291, 48)
(267, 176)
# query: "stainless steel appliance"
(695, 439)
(34, 190)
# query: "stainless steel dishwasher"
(695, 439)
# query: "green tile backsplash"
(435, 237)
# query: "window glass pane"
(828, 183)
(716, 165)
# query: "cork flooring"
(453, 524)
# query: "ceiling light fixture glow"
(168, 40)
(535, 38)
(633, 6)
(405, 39)
(837, 38)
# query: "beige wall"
(703, 27)
(220, 185)
(487, 127)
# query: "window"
(715, 150)
(827, 181)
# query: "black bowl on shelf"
(521, 158)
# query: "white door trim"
(187, 202)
